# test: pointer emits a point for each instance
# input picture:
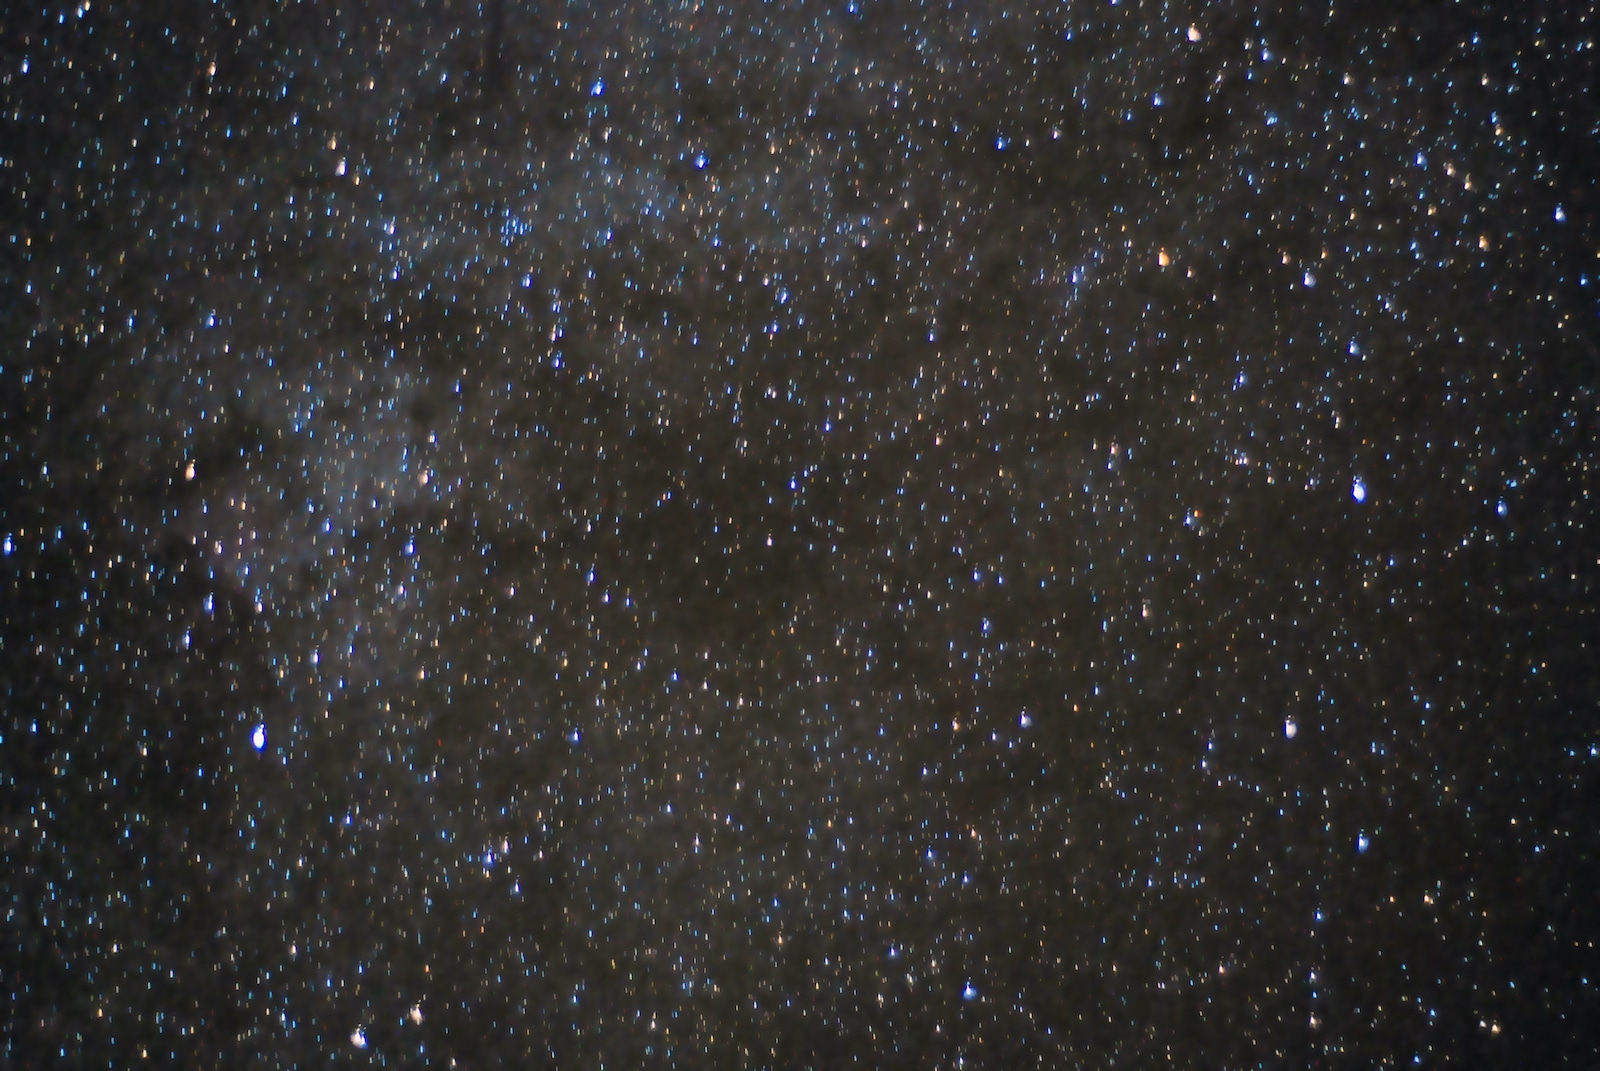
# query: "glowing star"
(970, 992)
(1358, 490)
(415, 1014)
(1290, 728)
(1362, 843)
(258, 739)
(358, 1038)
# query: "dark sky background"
(799, 535)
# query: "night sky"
(813, 534)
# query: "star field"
(873, 534)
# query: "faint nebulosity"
(870, 533)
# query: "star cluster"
(801, 535)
